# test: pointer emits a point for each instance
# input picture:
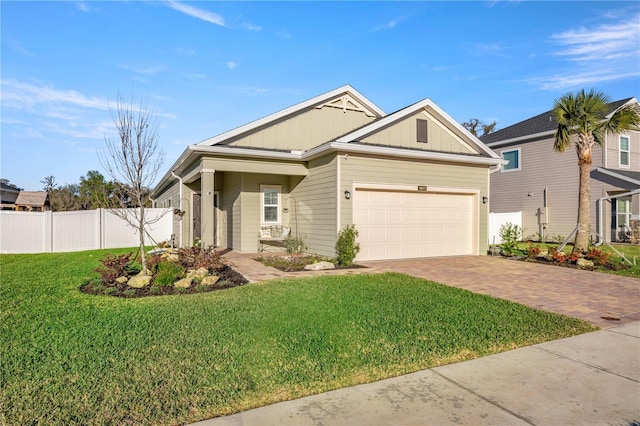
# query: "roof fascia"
(617, 175)
(347, 147)
(629, 102)
(521, 138)
(346, 89)
(430, 106)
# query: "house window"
(421, 130)
(270, 204)
(624, 151)
(513, 158)
(623, 212)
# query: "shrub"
(533, 251)
(199, 257)
(346, 247)
(597, 256)
(130, 292)
(113, 266)
(558, 256)
(168, 273)
(510, 234)
(295, 245)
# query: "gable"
(407, 133)
(307, 129)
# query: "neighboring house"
(543, 184)
(36, 201)
(8, 195)
(414, 182)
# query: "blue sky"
(207, 67)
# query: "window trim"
(627, 214)
(620, 151)
(263, 188)
(515, 169)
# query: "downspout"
(600, 218)
(179, 226)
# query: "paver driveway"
(580, 294)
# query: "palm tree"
(583, 120)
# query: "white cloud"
(605, 42)
(251, 27)
(82, 6)
(204, 15)
(231, 65)
(146, 71)
(388, 25)
(17, 94)
(572, 80)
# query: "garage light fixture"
(347, 195)
(485, 200)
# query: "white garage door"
(399, 225)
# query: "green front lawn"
(73, 358)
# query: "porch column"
(207, 182)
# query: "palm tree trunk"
(584, 204)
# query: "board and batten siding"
(371, 170)
(306, 130)
(404, 135)
(541, 167)
(313, 206)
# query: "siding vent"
(422, 130)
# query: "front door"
(196, 217)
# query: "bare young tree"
(49, 183)
(133, 161)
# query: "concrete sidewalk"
(589, 379)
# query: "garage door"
(400, 225)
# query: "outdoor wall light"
(485, 200)
(347, 195)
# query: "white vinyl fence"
(496, 220)
(49, 232)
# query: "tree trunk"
(143, 257)
(584, 203)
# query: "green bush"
(168, 273)
(346, 247)
(510, 234)
(295, 245)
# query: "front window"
(624, 151)
(270, 204)
(513, 158)
(623, 212)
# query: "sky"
(208, 67)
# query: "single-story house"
(36, 201)
(543, 184)
(8, 195)
(414, 183)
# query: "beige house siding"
(372, 170)
(404, 134)
(170, 198)
(313, 206)
(306, 130)
(611, 159)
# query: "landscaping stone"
(210, 280)
(183, 283)
(122, 280)
(197, 274)
(584, 262)
(320, 266)
(139, 281)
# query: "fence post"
(47, 229)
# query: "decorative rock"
(197, 274)
(210, 280)
(183, 283)
(139, 281)
(320, 266)
(584, 262)
(122, 280)
(543, 254)
(172, 257)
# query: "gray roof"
(544, 122)
(32, 198)
(624, 174)
(9, 187)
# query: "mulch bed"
(609, 266)
(228, 278)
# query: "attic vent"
(421, 130)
